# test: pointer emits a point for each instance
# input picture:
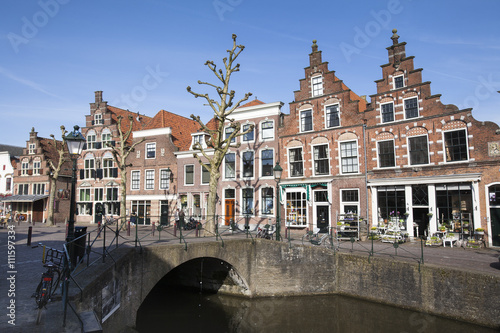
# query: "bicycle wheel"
(306, 238)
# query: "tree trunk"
(52, 195)
(212, 202)
(123, 195)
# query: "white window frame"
(150, 147)
(106, 136)
(252, 190)
(418, 107)
(394, 81)
(99, 194)
(243, 130)
(137, 179)
(291, 218)
(228, 134)
(466, 145)
(274, 201)
(300, 120)
(409, 152)
(290, 162)
(261, 165)
(38, 189)
(262, 130)
(98, 119)
(378, 154)
(382, 114)
(31, 148)
(242, 166)
(317, 85)
(25, 166)
(37, 166)
(225, 175)
(88, 166)
(108, 164)
(185, 174)
(91, 139)
(326, 115)
(203, 171)
(349, 203)
(149, 179)
(341, 157)
(164, 181)
(327, 159)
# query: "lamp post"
(277, 170)
(75, 142)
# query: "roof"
(49, 150)
(139, 121)
(182, 127)
(24, 198)
(13, 150)
(251, 103)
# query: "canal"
(173, 309)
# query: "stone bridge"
(262, 268)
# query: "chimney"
(315, 56)
(98, 96)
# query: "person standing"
(176, 217)
(181, 219)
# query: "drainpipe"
(366, 178)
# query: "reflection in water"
(171, 309)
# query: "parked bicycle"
(267, 232)
(321, 239)
(47, 288)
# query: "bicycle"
(48, 283)
(321, 239)
(267, 232)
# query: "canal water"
(171, 309)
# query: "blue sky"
(143, 54)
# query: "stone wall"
(264, 268)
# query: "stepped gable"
(139, 121)
(182, 127)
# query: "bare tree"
(54, 170)
(120, 155)
(222, 111)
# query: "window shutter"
(82, 174)
(92, 173)
(99, 173)
(114, 172)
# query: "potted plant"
(480, 231)
(430, 215)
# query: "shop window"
(391, 201)
(350, 201)
(296, 208)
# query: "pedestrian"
(181, 218)
(133, 219)
(176, 217)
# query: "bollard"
(153, 228)
(99, 228)
(30, 229)
(128, 228)
(175, 229)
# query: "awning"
(307, 186)
(24, 198)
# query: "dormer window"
(317, 86)
(198, 138)
(399, 82)
(98, 119)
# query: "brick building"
(152, 191)
(99, 179)
(31, 182)
(430, 164)
(321, 150)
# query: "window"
(112, 205)
(386, 154)
(151, 150)
(320, 154)
(89, 167)
(391, 201)
(350, 201)
(189, 174)
(250, 135)
(247, 196)
(411, 107)
(229, 166)
(455, 145)
(106, 138)
(98, 119)
(296, 166)
(267, 160)
(36, 167)
(198, 139)
(136, 180)
(99, 194)
(205, 175)
(91, 140)
(387, 112)
(84, 206)
(248, 162)
(38, 189)
(8, 184)
(31, 148)
(306, 121)
(267, 200)
(419, 153)
(150, 180)
(111, 194)
(349, 156)
(164, 179)
(267, 130)
(229, 131)
(296, 208)
(332, 116)
(22, 189)
(317, 86)
(399, 82)
(107, 168)
(25, 165)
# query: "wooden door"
(229, 211)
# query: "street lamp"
(75, 142)
(277, 170)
